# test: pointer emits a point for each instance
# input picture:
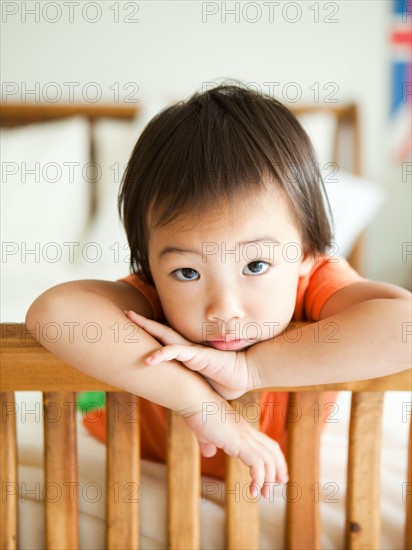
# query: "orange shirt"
(326, 277)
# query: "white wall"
(175, 47)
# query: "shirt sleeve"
(327, 278)
(149, 292)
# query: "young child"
(224, 213)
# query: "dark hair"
(222, 142)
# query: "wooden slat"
(26, 365)
(9, 485)
(60, 465)
(242, 510)
(123, 471)
(305, 422)
(357, 255)
(341, 111)
(408, 526)
(183, 480)
(363, 519)
(357, 139)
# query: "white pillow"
(321, 128)
(354, 202)
(41, 211)
(104, 252)
(114, 141)
(51, 204)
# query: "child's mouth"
(232, 345)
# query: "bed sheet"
(152, 493)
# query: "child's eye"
(186, 274)
(256, 268)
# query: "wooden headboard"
(347, 120)
(19, 114)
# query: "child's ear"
(306, 264)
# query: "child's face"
(228, 280)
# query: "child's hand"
(217, 425)
(222, 427)
(226, 371)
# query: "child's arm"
(98, 339)
(364, 332)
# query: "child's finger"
(266, 490)
(254, 489)
(266, 470)
(263, 477)
(207, 449)
(276, 452)
(281, 465)
(159, 331)
(271, 466)
(168, 353)
(270, 476)
(257, 473)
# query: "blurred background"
(145, 55)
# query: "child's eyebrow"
(262, 240)
(177, 250)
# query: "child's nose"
(223, 305)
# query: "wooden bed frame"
(27, 366)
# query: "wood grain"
(242, 509)
(60, 468)
(303, 527)
(122, 471)
(363, 518)
(8, 469)
(408, 526)
(183, 485)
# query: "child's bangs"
(203, 166)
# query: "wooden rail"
(28, 366)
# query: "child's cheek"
(181, 324)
